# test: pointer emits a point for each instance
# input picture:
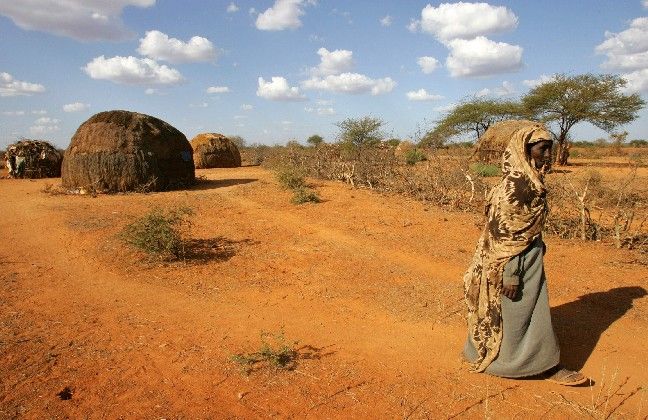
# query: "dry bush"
(443, 179)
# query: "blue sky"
(273, 71)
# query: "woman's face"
(540, 152)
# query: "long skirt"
(529, 346)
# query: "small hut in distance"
(493, 142)
(213, 150)
(33, 159)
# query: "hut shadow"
(579, 324)
(210, 184)
(218, 249)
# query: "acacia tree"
(358, 132)
(315, 140)
(568, 100)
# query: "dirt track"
(370, 287)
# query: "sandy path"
(368, 285)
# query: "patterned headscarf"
(516, 210)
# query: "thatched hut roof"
(33, 159)
(491, 144)
(213, 150)
(127, 151)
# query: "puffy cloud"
(278, 90)
(626, 50)
(482, 57)
(12, 87)
(637, 81)
(79, 19)
(413, 25)
(44, 125)
(247, 107)
(232, 8)
(506, 89)
(386, 21)
(466, 20)
(321, 110)
(132, 71)
(13, 113)
(645, 4)
(333, 62)
(76, 107)
(422, 95)
(284, 14)
(427, 64)
(218, 89)
(531, 83)
(39, 112)
(159, 46)
(353, 83)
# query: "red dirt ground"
(369, 286)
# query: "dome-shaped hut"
(213, 150)
(127, 151)
(33, 159)
(493, 142)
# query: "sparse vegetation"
(305, 195)
(485, 169)
(315, 140)
(414, 156)
(275, 353)
(294, 179)
(161, 234)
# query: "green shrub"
(290, 178)
(485, 169)
(414, 156)
(305, 195)
(274, 352)
(161, 234)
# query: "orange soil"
(369, 285)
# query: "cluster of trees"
(561, 102)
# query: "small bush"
(274, 352)
(161, 234)
(305, 195)
(414, 156)
(485, 169)
(291, 178)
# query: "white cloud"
(132, 71)
(151, 91)
(12, 87)
(445, 108)
(278, 90)
(218, 89)
(284, 14)
(450, 21)
(252, 11)
(413, 25)
(79, 19)
(626, 50)
(39, 112)
(320, 110)
(247, 107)
(240, 117)
(76, 107)
(199, 105)
(422, 95)
(333, 62)
(482, 57)
(637, 81)
(13, 113)
(645, 4)
(531, 83)
(353, 83)
(427, 64)
(386, 21)
(44, 125)
(232, 8)
(506, 89)
(159, 46)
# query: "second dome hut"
(213, 150)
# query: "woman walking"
(509, 323)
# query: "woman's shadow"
(579, 324)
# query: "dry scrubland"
(348, 308)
